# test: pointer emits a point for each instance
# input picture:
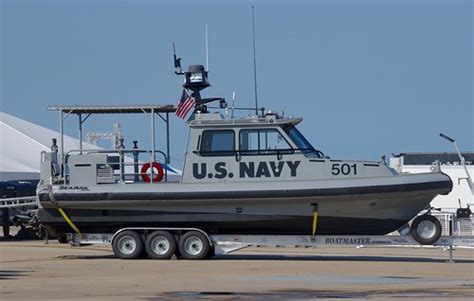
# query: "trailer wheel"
(128, 245)
(160, 245)
(194, 245)
(426, 229)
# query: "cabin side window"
(263, 142)
(217, 143)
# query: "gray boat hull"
(347, 207)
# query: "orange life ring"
(159, 175)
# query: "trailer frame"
(225, 244)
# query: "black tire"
(194, 245)
(426, 229)
(62, 239)
(160, 245)
(128, 245)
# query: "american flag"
(185, 104)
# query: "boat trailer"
(459, 234)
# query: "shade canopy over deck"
(114, 109)
(84, 112)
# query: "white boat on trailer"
(246, 181)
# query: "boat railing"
(127, 165)
(279, 153)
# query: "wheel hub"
(426, 229)
(160, 245)
(193, 245)
(127, 245)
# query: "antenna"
(233, 105)
(254, 62)
(207, 51)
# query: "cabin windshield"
(303, 145)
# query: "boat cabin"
(267, 147)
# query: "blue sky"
(368, 77)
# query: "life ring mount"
(158, 175)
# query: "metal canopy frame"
(87, 111)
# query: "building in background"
(450, 165)
(21, 144)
